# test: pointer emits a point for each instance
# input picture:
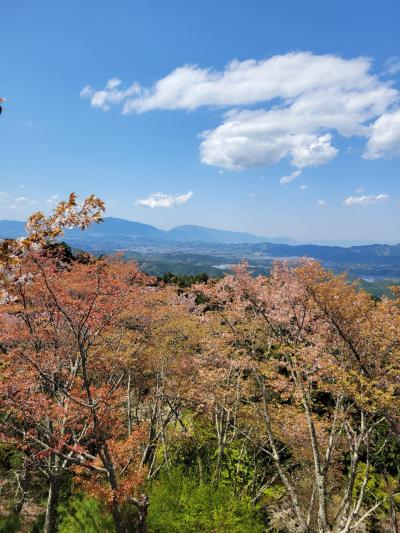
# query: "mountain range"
(136, 231)
(192, 249)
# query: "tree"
(321, 369)
(63, 390)
(283, 388)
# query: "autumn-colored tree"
(65, 343)
(107, 374)
(321, 363)
(41, 231)
(164, 375)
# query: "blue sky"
(196, 111)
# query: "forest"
(130, 403)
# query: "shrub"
(84, 515)
(9, 524)
(179, 503)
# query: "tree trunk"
(128, 405)
(142, 505)
(322, 500)
(24, 482)
(118, 520)
(393, 517)
(116, 509)
(50, 524)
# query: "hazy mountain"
(128, 230)
(11, 229)
(376, 253)
(117, 234)
(118, 227)
(198, 233)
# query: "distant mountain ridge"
(119, 234)
(194, 249)
(11, 229)
(133, 231)
(190, 233)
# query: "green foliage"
(84, 515)
(196, 448)
(236, 463)
(274, 493)
(38, 525)
(10, 457)
(386, 450)
(378, 288)
(180, 503)
(378, 488)
(9, 524)
(184, 280)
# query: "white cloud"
(303, 187)
(392, 65)
(53, 199)
(287, 179)
(110, 95)
(25, 200)
(3, 196)
(366, 199)
(321, 203)
(285, 76)
(160, 199)
(384, 138)
(257, 138)
(304, 100)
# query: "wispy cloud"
(303, 101)
(392, 65)
(53, 200)
(4, 196)
(287, 179)
(321, 203)
(160, 199)
(25, 200)
(110, 95)
(365, 199)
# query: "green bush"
(179, 503)
(10, 457)
(84, 515)
(9, 524)
(38, 524)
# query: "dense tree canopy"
(266, 403)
